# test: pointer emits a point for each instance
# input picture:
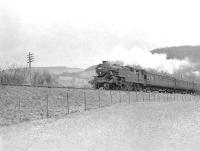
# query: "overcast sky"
(80, 33)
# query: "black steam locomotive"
(117, 77)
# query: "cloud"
(144, 58)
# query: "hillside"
(85, 74)
(57, 70)
(180, 52)
(77, 79)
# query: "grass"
(142, 126)
(19, 104)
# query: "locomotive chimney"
(104, 62)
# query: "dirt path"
(122, 127)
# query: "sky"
(81, 33)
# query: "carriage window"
(145, 76)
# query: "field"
(20, 103)
(141, 126)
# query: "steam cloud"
(145, 59)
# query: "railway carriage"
(160, 82)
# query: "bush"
(44, 78)
(20, 75)
(13, 75)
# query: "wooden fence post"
(136, 96)
(143, 96)
(155, 96)
(85, 103)
(68, 103)
(99, 99)
(19, 108)
(129, 97)
(149, 97)
(174, 96)
(47, 106)
(167, 97)
(110, 97)
(120, 97)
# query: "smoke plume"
(147, 60)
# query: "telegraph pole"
(30, 59)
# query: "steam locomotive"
(118, 77)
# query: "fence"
(18, 104)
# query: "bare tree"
(13, 74)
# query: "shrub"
(44, 78)
(13, 75)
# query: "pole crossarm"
(30, 59)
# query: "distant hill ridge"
(57, 69)
(88, 73)
(180, 52)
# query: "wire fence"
(21, 103)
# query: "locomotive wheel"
(129, 87)
(106, 86)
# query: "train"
(111, 76)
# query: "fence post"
(19, 107)
(85, 101)
(149, 97)
(110, 97)
(47, 105)
(143, 96)
(129, 97)
(155, 96)
(120, 97)
(164, 96)
(99, 99)
(174, 97)
(178, 97)
(136, 95)
(167, 97)
(67, 103)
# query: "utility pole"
(30, 59)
